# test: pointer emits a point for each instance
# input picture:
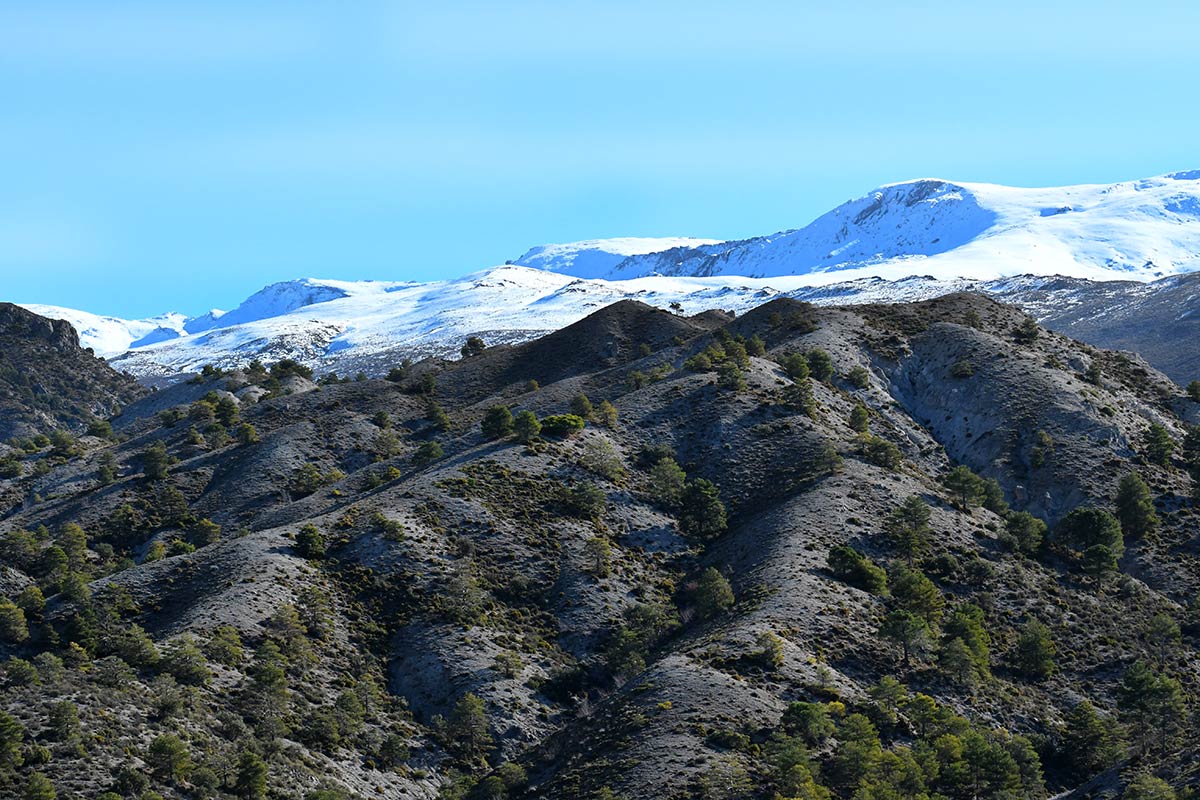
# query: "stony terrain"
(267, 583)
(48, 381)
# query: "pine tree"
(667, 482)
(13, 628)
(908, 526)
(1091, 742)
(1135, 507)
(1035, 651)
(155, 461)
(860, 419)
(906, 629)
(1025, 532)
(1157, 445)
(251, 780)
(310, 543)
(702, 513)
(497, 422)
(581, 406)
(467, 729)
(713, 594)
(965, 486)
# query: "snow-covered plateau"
(1041, 248)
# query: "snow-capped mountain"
(904, 241)
(109, 336)
(1139, 229)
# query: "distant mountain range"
(1105, 263)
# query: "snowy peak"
(282, 298)
(596, 258)
(1139, 229)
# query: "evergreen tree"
(39, 787)
(965, 487)
(908, 526)
(155, 461)
(473, 347)
(12, 736)
(914, 592)
(702, 514)
(467, 729)
(1145, 786)
(1091, 742)
(1152, 705)
(906, 629)
(1087, 527)
(713, 594)
(1035, 651)
(820, 365)
(1135, 507)
(1025, 532)
(13, 628)
(1157, 445)
(251, 779)
(667, 482)
(860, 419)
(497, 422)
(606, 414)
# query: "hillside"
(48, 381)
(353, 587)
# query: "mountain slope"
(904, 241)
(48, 381)
(1143, 229)
(499, 619)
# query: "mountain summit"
(1138, 229)
(901, 242)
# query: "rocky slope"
(352, 587)
(48, 381)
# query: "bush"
(586, 500)
(600, 457)
(562, 425)
(853, 567)
(962, 369)
(310, 543)
(581, 406)
(859, 377)
(427, 453)
(882, 453)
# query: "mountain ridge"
(903, 241)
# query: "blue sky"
(182, 155)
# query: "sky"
(180, 156)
